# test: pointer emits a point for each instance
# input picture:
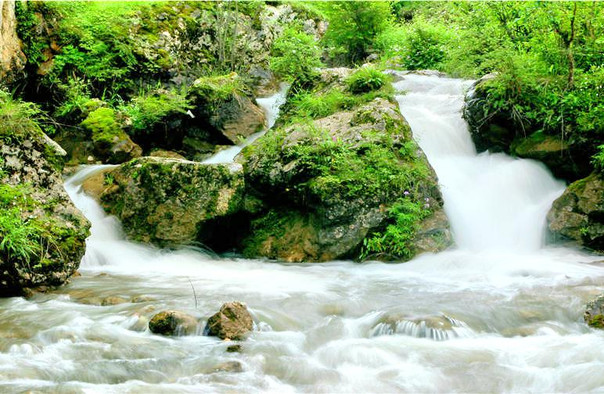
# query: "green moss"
(597, 322)
(151, 108)
(214, 89)
(102, 124)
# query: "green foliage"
(103, 126)
(19, 235)
(354, 25)
(150, 108)
(295, 55)
(212, 89)
(396, 241)
(18, 119)
(598, 159)
(312, 105)
(366, 79)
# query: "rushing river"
(501, 313)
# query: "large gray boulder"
(329, 185)
(166, 201)
(43, 234)
(578, 215)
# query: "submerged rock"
(578, 215)
(233, 321)
(113, 300)
(173, 323)
(171, 201)
(594, 312)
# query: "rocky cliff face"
(12, 58)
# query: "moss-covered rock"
(501, 131)
(558, 155)
(228, 107)
(578, 215)
(170, 202)
(352, 184)
(110, 142)
(42, 234)
(594, 312)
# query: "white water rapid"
(500, 313)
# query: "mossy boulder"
(578, 215)
(168, 202)
(559, 156)
(493, 132)
(500, 131)
(232, 322)
(173, 323)
(594, 312)
(228, 107)
(111, 144)
(42, 233)
(353, 184)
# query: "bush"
(295, 55)
(150, 108)
(598, 159)
(366, 79)
(18, 119)
(354, 26)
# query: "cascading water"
(271, 106)
(495, 314)
(492, 200)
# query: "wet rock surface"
(233, 322)
(578, 215)
(594, 312)
(170, 201)
(173, 323)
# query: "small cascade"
(271, 106)
(437, 328)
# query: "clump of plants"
(366, 79)
(396, 241)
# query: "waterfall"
(494, 202)
(500, 313)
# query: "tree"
(354, 25)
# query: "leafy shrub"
(424, 49)
(19, 236)
(598, 159)
(295, 55)
(18, 119)
(397, 240)
(366, 79)
(150, 108)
